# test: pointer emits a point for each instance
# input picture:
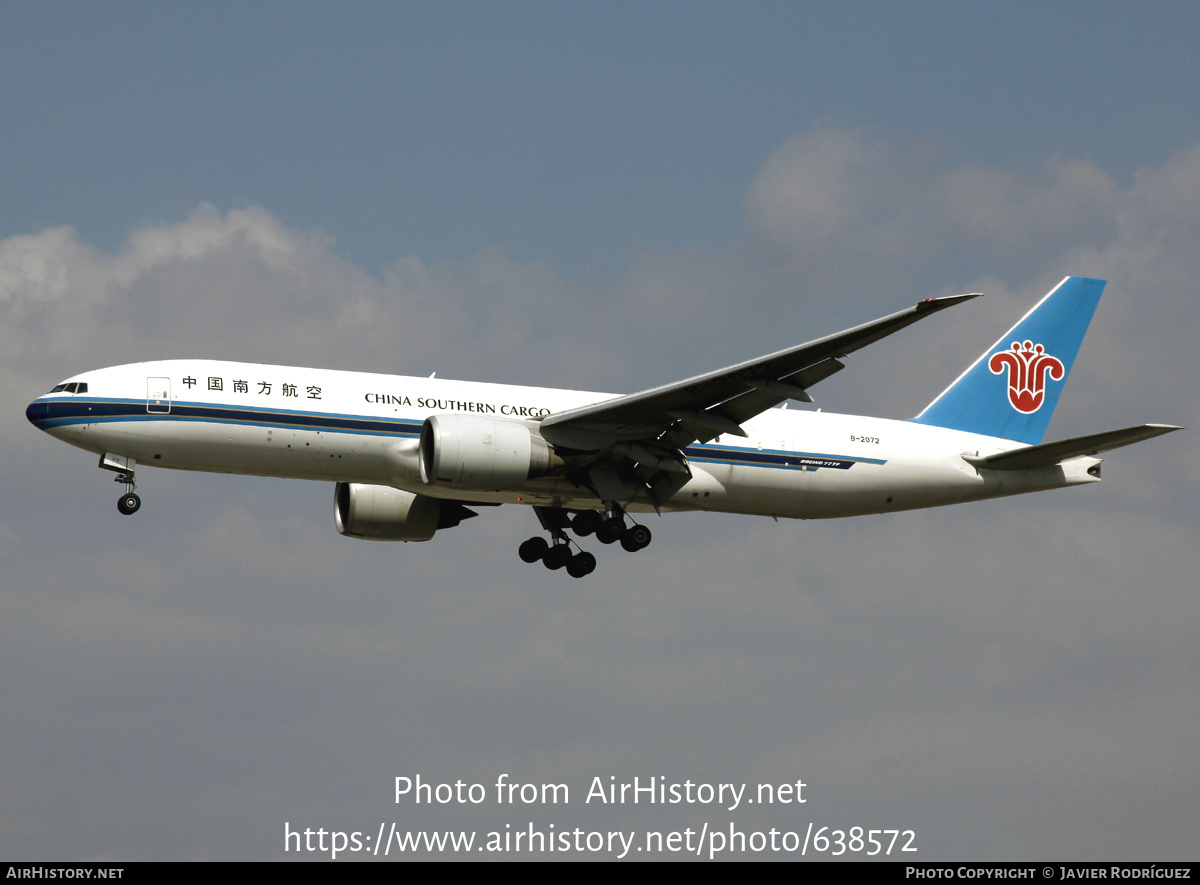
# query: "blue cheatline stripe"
(75, 410)
(776, 458)
(49, 413)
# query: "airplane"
(410, 456)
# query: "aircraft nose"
(36, 411)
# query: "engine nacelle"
(382, 513)
(482, 454)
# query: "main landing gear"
(557, 555)
(611, 528)
(608, 527)
(129, 502)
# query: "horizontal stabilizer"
(1049, 454)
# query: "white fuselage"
(320, 424)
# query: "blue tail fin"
(1011, 390)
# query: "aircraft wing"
(709, 405)
(1051, 453)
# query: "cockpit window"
(81, 387)
(59, 388)
(73, 387)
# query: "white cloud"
(833, 199)
(240, 285)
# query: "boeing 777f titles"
(411, 456)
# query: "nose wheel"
(129, 503)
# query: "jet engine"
(482, 454)
(382, 513)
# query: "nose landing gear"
(129, 502)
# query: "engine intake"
(382, 513)
(482, 454)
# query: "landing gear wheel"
(582, 563)
(605, 535)
(586, 523)
(129, 503)
(635, 538)
(533, 549)
(557, 557)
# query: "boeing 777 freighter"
(411, 456)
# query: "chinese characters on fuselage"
(240, 385)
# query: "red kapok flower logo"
(1028, 366)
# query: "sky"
(604, 197)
